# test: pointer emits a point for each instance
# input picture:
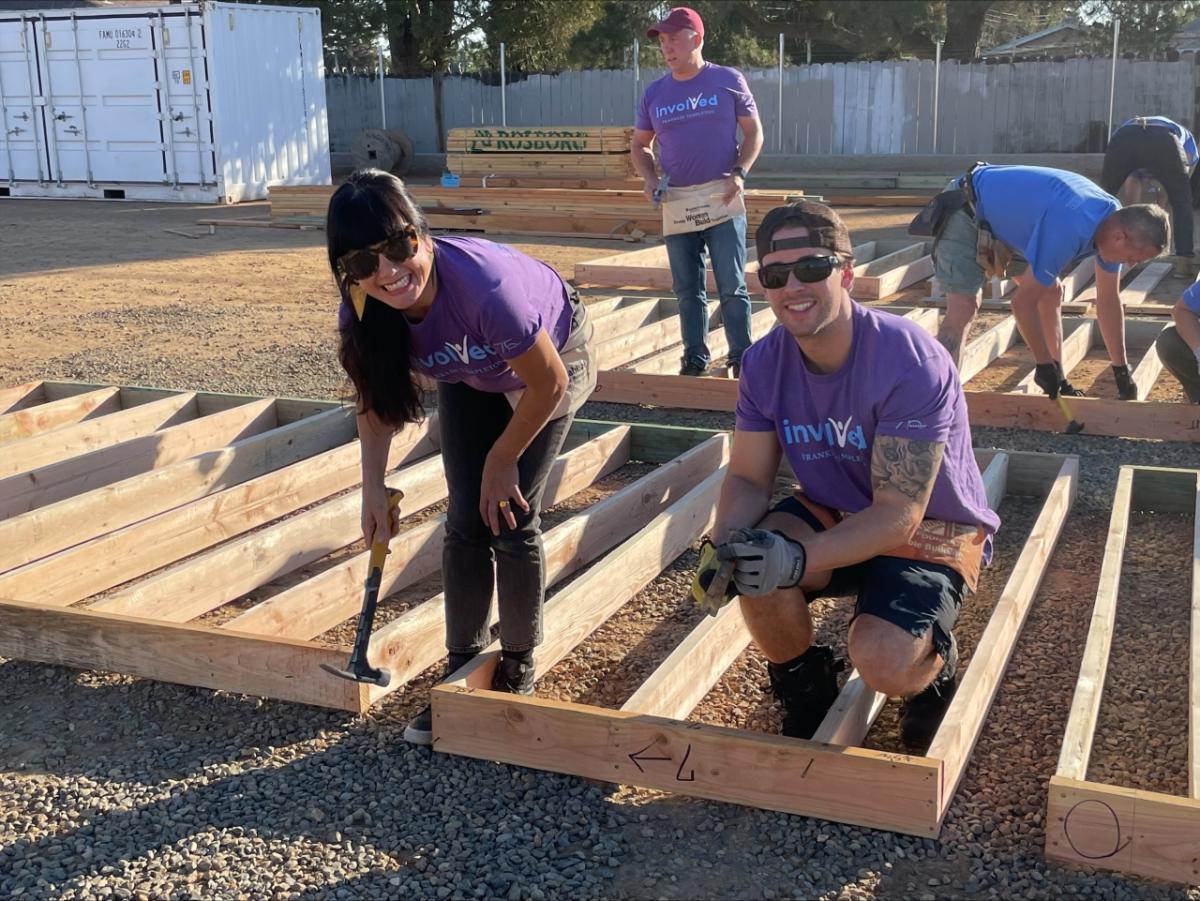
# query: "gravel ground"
(118, 787)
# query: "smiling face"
(809, 310)
(406, 286)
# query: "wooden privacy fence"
(843, 108)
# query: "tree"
(538, 35)
(1147, 26)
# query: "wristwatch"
(738, 171)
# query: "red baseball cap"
(679, 17)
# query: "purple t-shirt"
(695, 122)
(490, 304)
(898, 381)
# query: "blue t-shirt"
(1185, 138)
(1191, 298)
(1047, 215)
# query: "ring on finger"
(503, 505)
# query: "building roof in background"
(1065, 34)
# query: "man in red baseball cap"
(678, 18)
(694, 113)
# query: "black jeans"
(1179, 360)
(470, 422)
(1158, 152)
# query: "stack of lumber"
(588, 151)
(545, 211)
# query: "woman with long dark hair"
(506, 340)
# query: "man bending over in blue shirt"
(1037, 224)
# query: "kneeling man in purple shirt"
(891, 507)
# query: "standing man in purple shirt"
(693, 114)
(506, 341)
(869, 412)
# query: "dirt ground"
(106, 292)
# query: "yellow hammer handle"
(379, 550)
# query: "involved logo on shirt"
(686, 108)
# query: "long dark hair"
(376, 352)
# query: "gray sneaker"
(514, 676)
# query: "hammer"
(358, 669)
(661, 190)
(1074, 427)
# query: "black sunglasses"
(806, 269)
(361, 264)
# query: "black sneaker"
(419, 730)
(514, 674)
(922, 713)
(1066, 389)
(735, 370)
(807, 687)
(690, 367)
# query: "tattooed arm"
(902, 475)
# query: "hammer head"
(365, 674)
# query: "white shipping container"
(201, 102)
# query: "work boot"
(922, 713)
(1065, 388)
(692, 367)
(807, 687)
(514, 673)
(735, 370)
(419, 730)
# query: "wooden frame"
(650, 743)
(882, 268)
(642, 365)
(1108, 826)
(124, 575)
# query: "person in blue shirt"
(1036, 224)
(1166, 151)
(1179, 345)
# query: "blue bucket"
(449, 180)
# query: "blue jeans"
(726, 245)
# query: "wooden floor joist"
(1108, 826)
(650, 742)
(651, 379)
(881, 268)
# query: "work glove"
(1126, 389)
(1047, 377)
(713, 588)
(763, 561)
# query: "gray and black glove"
(764, 561)
(1126, 389)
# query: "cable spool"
(372, 148)
(404, 151)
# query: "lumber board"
(850, 785)
(1076, 748)
(57, 413)
(93, 434)
(1194, 668)
(628, 347)
(963, 723)
(1100, 416)
(321, 602)
(614, 323)
(680, 391)
(1139, 290)
(116, 557)
(188, 655)
(853, 712)
(20, 397)
(690, 671)
(196, 586)
(1148, 369)
(1131, 831)
(667, 360)
(991, 345)
(879, 276)
(60, 481)
(1075, 281)
(409, 644)
(60, 525)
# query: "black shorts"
(915, 595)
